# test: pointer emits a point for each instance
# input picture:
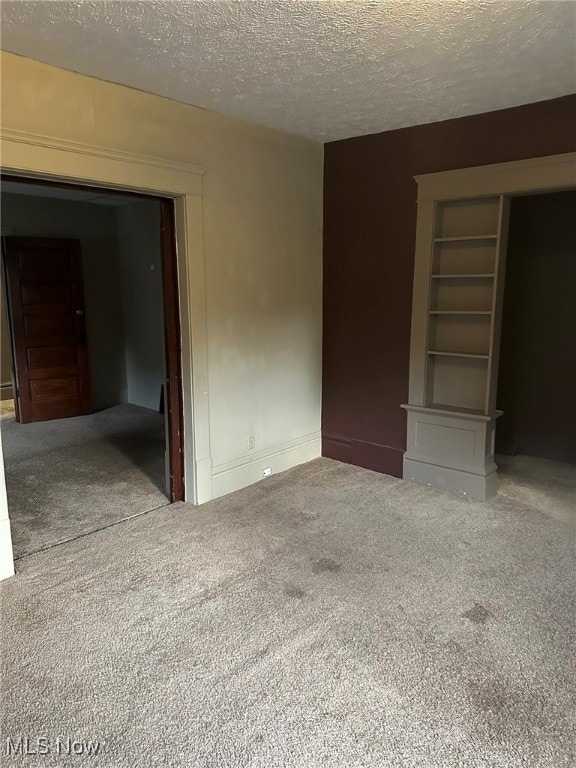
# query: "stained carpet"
(67, 477)
(328, 617)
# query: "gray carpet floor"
(549, 486)
(328, 617)
(68, 477)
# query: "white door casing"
(41, 157)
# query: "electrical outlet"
(266, 472)
(251, 442)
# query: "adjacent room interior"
(69, 474)
(535, 436)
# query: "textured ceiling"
(325, 69)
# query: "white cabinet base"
(476, 486)
(451, 450)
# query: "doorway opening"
(94, 349)
(536, 434)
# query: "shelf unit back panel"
(464, 258)
(463, 281)
(458, 382)
(462, 294)
(467, 218)
(457, 333)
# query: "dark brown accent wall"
(538, 352)
(369, 234)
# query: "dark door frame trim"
(172, 330)
(173, 347)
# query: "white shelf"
(460, 312)
(462, 275)
(457, 354)
(464, 238)
(452, 409)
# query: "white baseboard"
(6, 558)
(478, 486)
(232, 476)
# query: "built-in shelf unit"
(454, 416)
(459, 268)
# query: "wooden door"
(48, 328)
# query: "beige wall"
(262, 237)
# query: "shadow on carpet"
(68, 477)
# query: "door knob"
(80, 312)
